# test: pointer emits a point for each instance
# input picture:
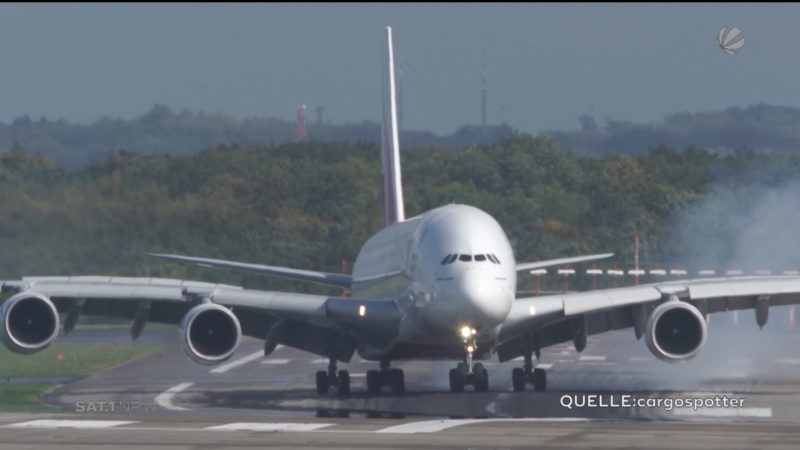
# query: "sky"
(546, 63)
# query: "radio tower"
(300, 133)
(483, 90)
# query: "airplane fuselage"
(449, 268)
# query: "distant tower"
(483, 90)
(319, 110)
(300, 133)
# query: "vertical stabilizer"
(393, 209)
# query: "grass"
(24, 397)
(120, 326)
(74, 360)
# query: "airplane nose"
(484, 296)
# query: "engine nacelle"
(676, 331)
(29, 322)
(210, 333)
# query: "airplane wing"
(561, 261)
(324, 278)
(316, 323)
(548, 320)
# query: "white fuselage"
(449, 268)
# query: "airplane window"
(495, 258)
(491, 258)
(444, 261)
(452, 259)
(465, 258)
(480, 257)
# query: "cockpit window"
(465, 258)
(495, 258)
(452, 259)
(444, 261)
(480, 258)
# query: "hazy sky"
(547, 64)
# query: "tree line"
(307, 205)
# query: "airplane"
(441, 285)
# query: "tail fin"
(393, 209)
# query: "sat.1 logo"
(727, 42)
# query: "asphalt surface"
(168, 401)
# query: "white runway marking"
(433, 426)
(45, 423)
(724, 412)
(275, 361)
(544, 366)
(255, 426)
(164, 399)
(243, 360)
(319, 361)
(518, 358)
(641, 358)
(591, 358)
(358, 375)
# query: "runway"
(162, 396)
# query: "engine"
(210, 333)
(30, 322)
(676, 331)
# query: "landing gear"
(340, 380)
(393, 378)
(461, 376)
(522, 376)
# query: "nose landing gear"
(462, 376)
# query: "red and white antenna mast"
(300, 132)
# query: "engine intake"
(676, 331)
(210, 333)
(30, 322)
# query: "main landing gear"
(340, 380)
(462, 375)
(527, 374)
(393, 378)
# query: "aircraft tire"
(343, 379)
(373, 382)
(322, 382)
(397, 381)
(539, 380)
(481, 378)
(518, 379)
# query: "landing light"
(470, 348)
(466, 332)
(362, 310)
